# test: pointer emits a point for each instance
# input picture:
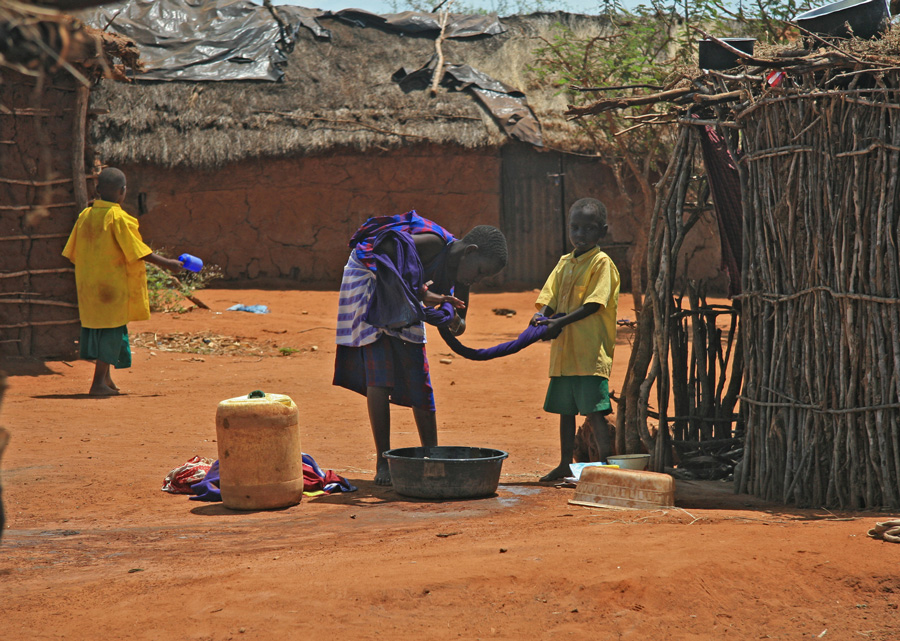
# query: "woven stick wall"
(822, 297)
(820, 319)
(50, 61)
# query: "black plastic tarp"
(239, 40)
(197, 39)
(508, 105)
(416, 22)
(303, 17)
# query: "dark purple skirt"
(388, 362)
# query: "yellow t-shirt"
(584, 348)
(111, 278)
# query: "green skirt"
(109, 345)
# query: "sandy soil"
(94, 549)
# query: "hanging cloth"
(443, 314)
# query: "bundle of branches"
(824, 64)
(710, 460)
(822, 296)
(819, 147)
(40, 45)
(35, 39)
(698, 377)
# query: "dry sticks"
(679, 349)
(822, 309)
(819, 320)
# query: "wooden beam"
(28, 301)
(28, 207)
(35, 237)
(34, 272)
(40, 323)
(35, 183)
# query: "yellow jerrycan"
(260, 460)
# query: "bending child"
(399, 265)
(108, 252)
(584, 286)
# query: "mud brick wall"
(292, 218)
(38, 314)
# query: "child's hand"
(554, 327)
(535, 320)
(171, 264)
(433, 300)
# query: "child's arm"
(161, 261)
(556, 325)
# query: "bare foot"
(382, 473)
(557, 473)
(103, 390)
(110, 384)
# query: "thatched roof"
(337, 94)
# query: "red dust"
(94, 549)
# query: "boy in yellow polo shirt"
(584, 286)
(108, 252)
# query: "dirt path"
(94, 549)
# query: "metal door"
(532, 213)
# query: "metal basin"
(866, 17)
(445, 472)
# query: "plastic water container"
(191, 263)
(260, 460)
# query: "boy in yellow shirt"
(584, 286)
(108, 252)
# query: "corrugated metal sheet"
(536, 192)
(532, 215)
(592, 178)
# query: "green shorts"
(571, 395)
(109, 345)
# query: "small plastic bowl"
(630, 461)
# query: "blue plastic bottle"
(191, 263)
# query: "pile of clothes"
(200, 477)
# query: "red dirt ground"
(94, 549)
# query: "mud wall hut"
(50, 61)
(270, 179)
(37, 182)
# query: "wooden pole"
(79, 137)
(438, 46)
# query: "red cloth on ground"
(312, 482)
(179, 480)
